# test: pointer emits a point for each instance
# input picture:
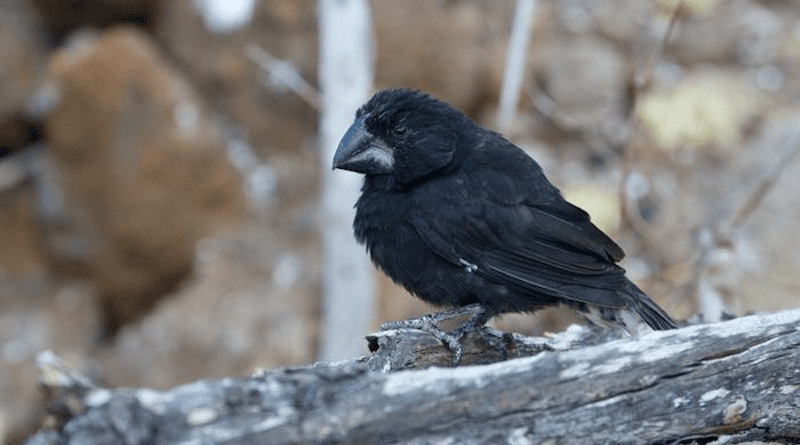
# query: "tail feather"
(647, 309)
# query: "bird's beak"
(362, 152)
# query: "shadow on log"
(727, 382)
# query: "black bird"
(460, 216)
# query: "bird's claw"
(451, 340)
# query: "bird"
(462, 218)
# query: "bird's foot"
(452, 340)
(476, 323)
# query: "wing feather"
(547, 249)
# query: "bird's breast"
(383, 226)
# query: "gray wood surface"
(732, 381)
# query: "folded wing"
(539, 244)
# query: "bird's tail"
(647, 309)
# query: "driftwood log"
(726, 382)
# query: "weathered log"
(732, 381)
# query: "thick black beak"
(362, 152)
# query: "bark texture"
(733, 381)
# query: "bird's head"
(401, 133)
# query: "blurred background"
(160, 216)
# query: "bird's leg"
(434, 319)
(430, 324)
(479, 318)
(476, 323)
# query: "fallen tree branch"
(730, 382)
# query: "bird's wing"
(550, 247)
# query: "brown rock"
(146, 170)
(737, 31)
(252, 302)
(22, 61)
(65, 16)
(454, 50)
(19, 244)
(275, 118)
(586, 80)
(22, 57)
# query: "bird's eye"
(399, 130)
